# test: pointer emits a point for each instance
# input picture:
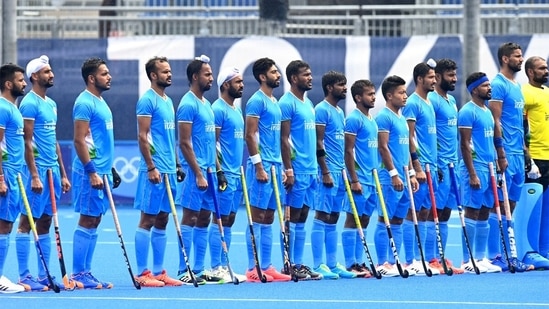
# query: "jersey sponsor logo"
(238, 134)
(169, 125)
(309, 125)
(519, 105)
(109, 125)
(372, 143)
(489, 132)
(210, 128)
(50, 126)
(432, 129)
(403, 140)
(452, 122)
(275, 127)
(340, 135)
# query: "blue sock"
(481, 240)
(471, 228)
(142, 240)
(381, 242)
(227, 232)
(359, 247)
(91, 249)
(22, 246)
(80, 247)
(187, 235)
(331, 245)
(215, 245)
(396, 229)
(200, 242)
(266, 245)
(291, 240)
(443, 227)
(299, 243)
(348, 241)
(430, 241)
(494, 242)
(317, 242)
(4, 245)
(158, 244)
(422, 225)
(45, 244)
(408, 238)
(257, 234)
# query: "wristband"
(151, 169)
(411, 173)
(498, 142)
(414, 156)
(289, 172)
(355, 181)
(393, 172)
(89, 167)
(320, 153)
(255, 159)
(324, 174)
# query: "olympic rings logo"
(127, 169)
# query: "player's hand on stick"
(261, 175)
(414, 184)
(327, 180)
(201, 182)
(356, 187)
(440, 175)
(397, 183)
(533, 172)
(290, 179)
(221, 181)
(116, 180)
(96, 181)
(179, 173)
(421, 177)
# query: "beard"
(17, 92)
(447, 86)
(274, 83)
(541, 80)
(164, 84)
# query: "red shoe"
(163, 277)
(277, 277)
(251, 276)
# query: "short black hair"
(359, 86)
(7, 73)
(194, 67)
(506, 49)
(420, 70)
(390, 84)
(294, 67)
(332, 78)
(445, 65)
(474, 77)
(150, 66)
(90, 66)
(262, 66)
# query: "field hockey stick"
(434, 210)
(359, 225)
(426, 269)
(498, 213)
(213, 189)
(69, 285)
(454, 185)
(284, 233)
(403, 272)
(178, 229)
(119, 230)
(251, 226)
(509, 217)
(35, 234)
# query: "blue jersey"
(199, 113)
(13, 143)
(423, 114)
(510, 94)
(333, 120)
(269, 114)
(447, 132)
(161, 137)
(399, 140)
(231, 136)
(100, 138)
(43, 112)
(480, 121)
(301, 115)
(364, 128)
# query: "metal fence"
(87, 19)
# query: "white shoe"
(420, 271)
(490, 268)
(8, 287)
(468, 267)
(241, 278)
(387, 270)
(223, 272)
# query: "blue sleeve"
(186, 112)
(383, 123)
(28, 110)
(499, 91)
(410, 110)
(83, 110)
(5, 116)
(352, 125)
(287, 109)
(321, 116)
(145, 107)
(254, 107)
(465, 118)
(219, 115)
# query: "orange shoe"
(277, 277)
(251, 276)
(435, 264)
(455, 270)
(147, 279)
(163, 277)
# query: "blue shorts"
(10, 205)
(190, 196)
(422, 198)
(87, 200)
(514, 175)
(397, 203)
(262, 194)
(476, 198)
(229, 200)
(332, 199)
(303, 191)
(445, 196)
(41, 203)
(153, 198)
(365, 203)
